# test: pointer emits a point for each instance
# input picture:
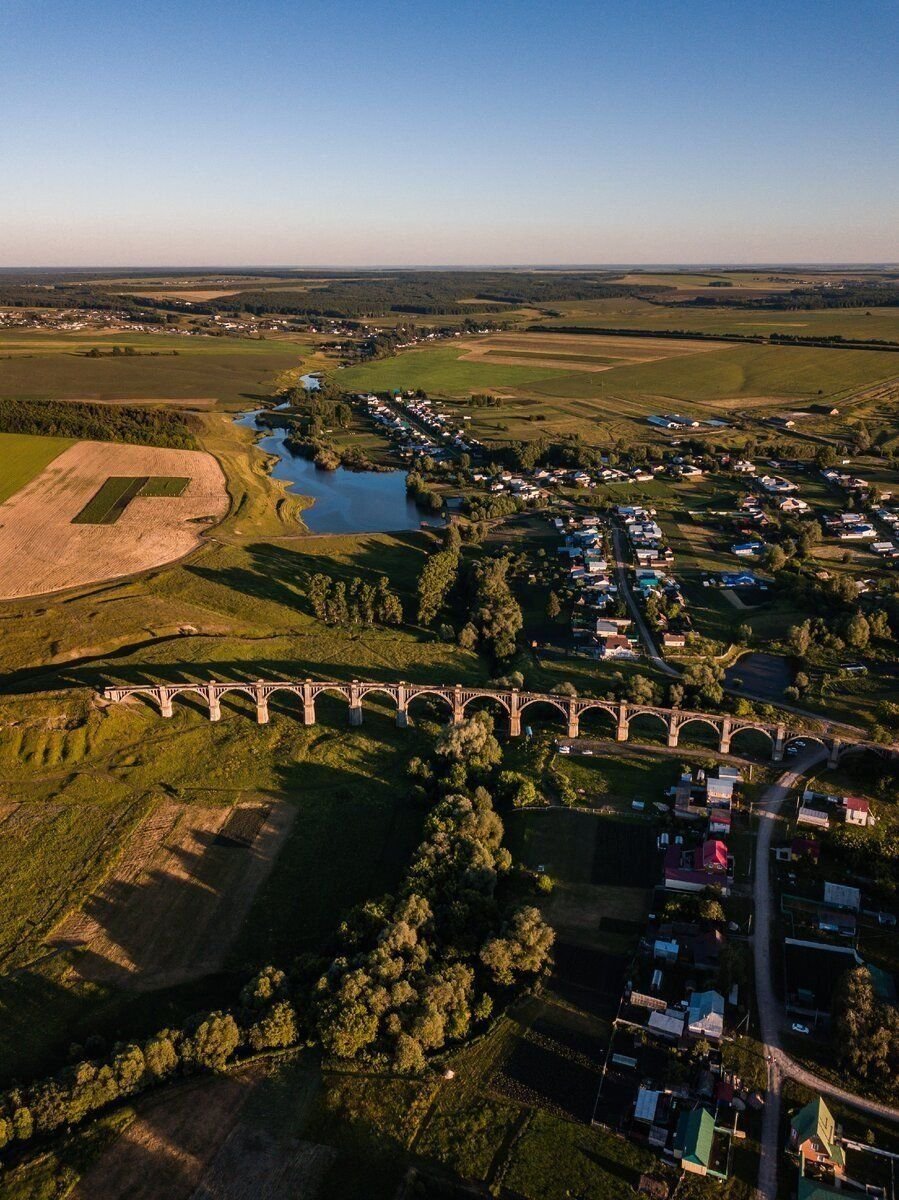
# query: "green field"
(615, 402)
(107, 505)
(858, 323)
(23, 456)
(235, 372)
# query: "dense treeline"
(96, 422)
(481, 592)
(865, 1030)
(416, 292)
(355, 603)
(420, 968)
(129, 307)
(877, 294)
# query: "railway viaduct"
(457, 698)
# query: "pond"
(343, 501)
(763, 675)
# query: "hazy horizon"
(263, 132)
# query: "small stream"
(343, 501)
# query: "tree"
(799, 637)
(276, 1028)
(495, 610)
(522, 948)
(213, 1042)
(744, 634)
(858, 631)
(161, 1055)
(436, 580)
(640, 690)
(408, 1055)
(471, 742)
(775, 559)
(553, 606)
(468, 636)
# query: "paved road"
(771, 1016)
(655, 657)
(652, 650)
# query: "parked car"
(797, 1028)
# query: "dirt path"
(177, 895)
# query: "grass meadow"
(207, 371)
(23, 456)
(550, 396)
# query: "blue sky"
(306, 133)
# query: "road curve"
(780, 1065)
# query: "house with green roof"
(694, 1140)
(813, 1137)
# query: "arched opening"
(648, 727)
(286, 702)
(379, 709)
(238, 702)
(862, 771)
(543, 715)
(490, 704)
(429, 707)
(751, 743)
(699, 733)
(598, 723)
(332, 709)
(193, 699)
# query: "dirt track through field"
(42, 551)
(176, 898)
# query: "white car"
(797, 1028)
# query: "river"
(343, 501)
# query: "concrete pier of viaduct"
(457, 698)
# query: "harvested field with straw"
(41, 550)
(178, 895)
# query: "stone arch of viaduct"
(457, 698)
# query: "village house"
(705, 866)
(694, 1142)
(813, 1137)
(705, 1016)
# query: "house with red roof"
(857, 811)
(705, 866)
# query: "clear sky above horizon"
(192, 132)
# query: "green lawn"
(23, 456)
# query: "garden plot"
(43, 549)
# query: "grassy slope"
(23, 456)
